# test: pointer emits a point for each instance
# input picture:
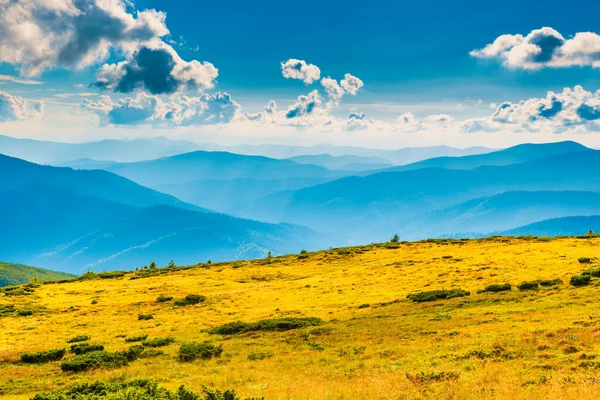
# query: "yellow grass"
(362, 353)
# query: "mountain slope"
(344, 163)
(497, 213)
(16, 274)
(354, 203)
(70, 220)
(16, 174)
(566, 226)
(513, 155)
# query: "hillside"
(565, 226)
(16, 274)
(69, 220)
(371, 342)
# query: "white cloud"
(351, 84)
(299, 69)
(217, 108)
(13, 108)
(544, 48)
(333, 89)
(13, 79)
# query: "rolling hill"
(16, 274)
(344, 163)
(384, 321)
(354, 204)
(71, 220)
(565, 226)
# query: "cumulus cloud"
(38, 35)
(217, 108)
(333, 89)
(13, 108)
(299, 69)
(543, 48)
(351, 84)
(305, 105)
(159, 71)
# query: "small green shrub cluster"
(551, 282)
(134, 390)
(145, 317)
(496, 288)
(159, 342)
(531, 285)
(276, 324)
(423, 377)
(192, 351)
(43, 356)
(584, 260)
(27, 312)
(260, 356)
(580, 280)
(102, 359)
(77, 339)
(162, 298)
(592, 272)
(437, 295)
(132, 339)
(82, 348)
(190, 299)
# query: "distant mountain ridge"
(70, 220)
(566, 226)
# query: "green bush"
(94, 360)
(260, 356)
(496, 288)
(532, 285)
(551, 282)
(159, 341)
(580, 280)
(592, 272)
(132, 339)
(145, 317)
(25, 313)
(82, 348)
(193, 351)
(134, 390)
(43, 356)
(584, 260)
(190, 299)
(77, 339)
(162, 298)
(437, 295)
(277, 324)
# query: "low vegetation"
(43, 356)
(189, 300)
(159, 342)
(335, 325)
(82, 348)
(277, 324)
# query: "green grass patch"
(273, 325)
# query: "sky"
(377, 74)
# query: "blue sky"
(413, 57)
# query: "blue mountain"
(566, 226)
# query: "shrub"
(551, 282)
(193, 351)
(77, 339)
(584, 260)
(25, 313)
(532, 285)
(43, 356)
(190, 299)
(137, 389)
(159, 341)
(94, 360)
(82, 348)
(432, 377)
(136, 338)
(592, 272)
(276, 324)
(580, 280)
(437, 295)
(395, 239)
(366, 305)
(496, 288)
(145, 317)
(260, 356)
(162, 298)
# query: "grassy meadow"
(365, 339)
